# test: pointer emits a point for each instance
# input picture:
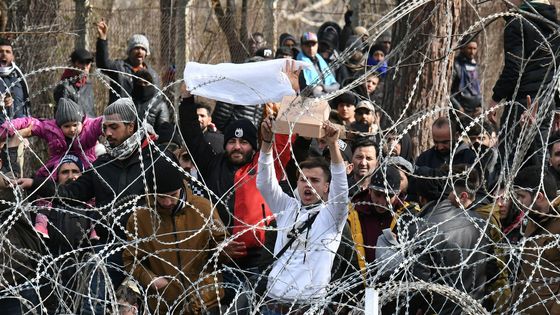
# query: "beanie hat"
(81, 55)
(285, 36)
(330, 39)
(67, 111)
(166, 176)
(124, 107)
(138, 40)
(244, 129)
(71, 158)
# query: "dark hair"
(313, 162)
(365, 142)
(444, 121)
(554, 139)
(377, 47)
(145, 74)
(529, 178)
(205, 106)
(465, 179)
(5, 42)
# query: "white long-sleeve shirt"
(304, 270)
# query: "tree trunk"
(227, 21)
(422, 44)
(167, 33)
(81, 23)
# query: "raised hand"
(331, 133)
(102, 29)
(292, 72)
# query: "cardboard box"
(304, 116)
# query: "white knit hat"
(138, 40)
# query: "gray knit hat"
(138, 40)
(124, 107)
(67, 111)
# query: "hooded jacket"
(528, 59)
(180, 244)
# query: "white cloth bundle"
(241, 84)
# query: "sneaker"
(93, 235)
(41, 223)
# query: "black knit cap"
(68, 111)
(81, 55)
(244, 129)
(168, 177)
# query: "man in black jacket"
(531, 45)
(114, 180)
(122, 71)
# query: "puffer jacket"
(225, 113)
(122, 84)
(179, 244)
(155, 111)
(444, 238)
(528, 58)
(58, 145)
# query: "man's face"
(394, 145)
(504, 204)
(289, 43)
(68, 172)
(527, 200)
(386, 45)
(325, 51)
(84, 66)
(310, 48)
(554, 160)
(168, 201)
(442, 139)
(470, 50)
(364, 160)
(6, 56)
(346, 111)
(71, 129)
(371, 84)
(204, 118)
(256, 43)
(137, 55)
(116, 131)
(239, 151)
(380, 200)
(365, 116)
(316, 177)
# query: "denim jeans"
(27, 302)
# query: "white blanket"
(241, 84)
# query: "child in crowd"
(70, 132)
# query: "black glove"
(348, 16)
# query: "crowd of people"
(142, 210)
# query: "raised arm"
(201, 151)
(102, 60)
(34, 126)
(267, 183)
(338, 192)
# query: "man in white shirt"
(309, 231)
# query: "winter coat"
(528, 57)
(225, 113)
(465, 83)
(179, 244)
(58, 145)
(433, 159)
(536, 285)
(241, 206)
(16, 85)
(444, 238)
(122, 87)
(82, 96)
(157, 114)
(112, 184)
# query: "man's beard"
(246, 158)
